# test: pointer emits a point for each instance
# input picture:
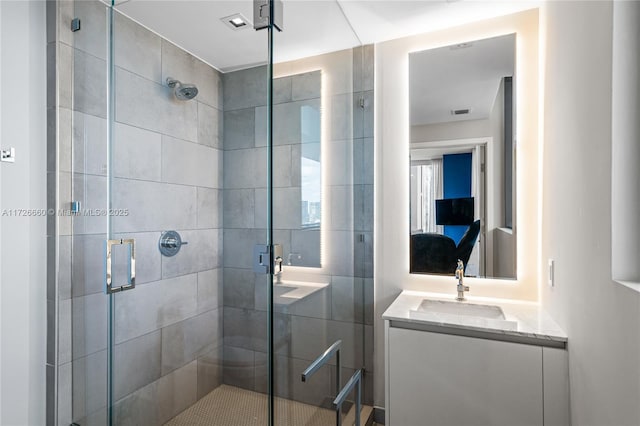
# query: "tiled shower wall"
(167, 174)
(342, 82)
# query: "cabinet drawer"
(447, 380)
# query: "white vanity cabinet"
(453, 380)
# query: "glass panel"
(323, 181)
(142, 160)
(192, 336)
(82, 175)
(183, 347)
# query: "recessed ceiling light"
(236, 21)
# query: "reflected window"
(427, 175)
(310, 167)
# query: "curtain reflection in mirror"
(428, 182)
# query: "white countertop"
(524, 320)
(287, 292)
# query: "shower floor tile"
(232, 406)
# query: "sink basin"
(457, 308)
(460, 313)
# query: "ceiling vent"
(460, 46)
(236, 22)
(460, 111)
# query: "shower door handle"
(131, 280)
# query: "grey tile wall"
(137, 363)
(190, 339)
(343, 309)
(209, 374)
(89, 83)
(89, 383)
(161, 400)
(151, 105)
(142, 54)
(167, 169)
(132, 143)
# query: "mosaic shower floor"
(232, 406)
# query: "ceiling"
(311, 27)
(458, 77)
(196, 27)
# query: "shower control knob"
(170, 243)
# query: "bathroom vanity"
(478, 362)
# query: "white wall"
(465, 129)
(600, 316)
(392, 162)
(22, 239)
(625, 110)
(495, 185)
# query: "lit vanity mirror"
(298, 168)
(462, 158)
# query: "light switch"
(8, 155)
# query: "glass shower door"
(144, 180)
(186, 342)
(322, 217)
(82, 220)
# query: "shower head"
(183, 91)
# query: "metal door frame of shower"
(270, 360)
(271, 25)
(111, 101)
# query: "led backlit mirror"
(298, 169)
(462, 168)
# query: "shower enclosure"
(214, 224)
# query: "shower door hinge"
(75, 24)
(265, 258)
(361, 102)
(261, 14)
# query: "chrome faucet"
(277, 269)
(460, 277)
